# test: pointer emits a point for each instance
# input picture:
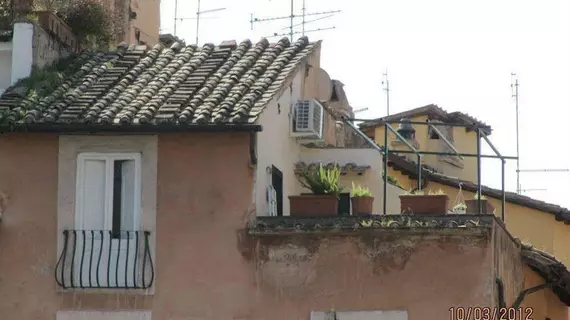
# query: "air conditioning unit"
(307, 121)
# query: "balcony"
(104, 259)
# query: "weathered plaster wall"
(508, 264)
(46, 48)
(393, 271)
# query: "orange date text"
(486, 313)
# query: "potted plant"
(473, 208)
(362, 200)
(325, 187)
(434, 203)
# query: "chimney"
(22, 50)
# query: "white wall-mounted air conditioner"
(307, 121)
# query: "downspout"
(252, 151)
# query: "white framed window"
(107, 241)
(108, 192)
(360, 315)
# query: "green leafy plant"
(421, 192)
(360, 191)
(324, 181)
(393, 181)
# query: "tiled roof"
(409, 167)
(179, 85)
(344, 168)
(435, 112)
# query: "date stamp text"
(486, 313)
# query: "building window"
(108, 192)
(277, 186)
(360, 315)
(433, 135)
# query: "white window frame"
(80, 180)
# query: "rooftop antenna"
(386, 88)
(292, 16)
(198, 17)
(515, 94)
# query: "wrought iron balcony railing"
(105, 259)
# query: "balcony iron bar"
(121, 264)
(386, 151)
(451, 124)
(430, 125)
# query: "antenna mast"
(387, 89)
(198, 17)
(515, 94)
(292, 16)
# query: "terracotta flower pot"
(424, 204)
(473, 208)
(313, 205)
(362, 206)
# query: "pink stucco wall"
(206, 267)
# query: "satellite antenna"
(515, 94)
(386, 88)
(292, 18)
(198, 17)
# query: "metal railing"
(105, 259)
(385, 150)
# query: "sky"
(458, 54)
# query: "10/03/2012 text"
(487, 313)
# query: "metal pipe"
(443, 138)
(544, 170)
(451, 124)
(503, 197)
(471, 155)
(399, 136)
(386, 153)
(479, 170)
(492, 146)
(197, 21)
(371, 142)
(419, 172)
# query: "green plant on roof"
(476, 196)
(393, 181)
(323, 181)
(360, 191)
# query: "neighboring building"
(27, 44)
(153, 184)
(542, 224)
(141, 20)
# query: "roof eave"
(113, 128)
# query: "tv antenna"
(515, 94)
(292, 18)
(197, 17)
(386, 87)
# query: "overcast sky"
(458, 54)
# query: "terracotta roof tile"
(182, 85)
(433, 111)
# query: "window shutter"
(93, 190)
(128, 200)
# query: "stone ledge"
(356, 224)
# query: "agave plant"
(322, 181)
